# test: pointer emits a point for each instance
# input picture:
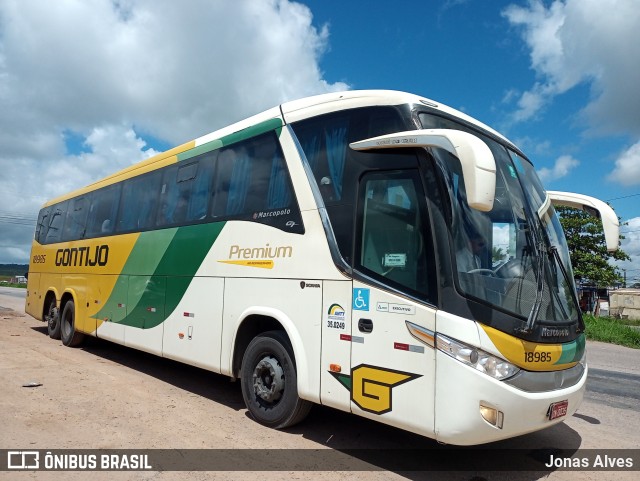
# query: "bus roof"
(293, 111)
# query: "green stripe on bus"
(254, 130)
(182, 258)
(201, 149)
(143, 259)
(572, 351)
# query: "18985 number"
(537, 356)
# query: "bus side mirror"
(478, 164)
(595, 208)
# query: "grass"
(19, 286)
(613, 331)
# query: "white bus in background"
(372, 251)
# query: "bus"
(372, 251)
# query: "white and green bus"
(372, 251)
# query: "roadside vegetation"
(613, 331)
(9, 284)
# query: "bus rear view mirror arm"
(596, 208)
(478, 164)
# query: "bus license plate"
(557, 410)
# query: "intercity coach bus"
(372, 251)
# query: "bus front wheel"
(70, 336)
(269, 382)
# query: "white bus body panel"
(193, 331)
(336, 325)
(297, 308)
(398, 369)
(147, 340)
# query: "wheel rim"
(268, 380)
(50, 317)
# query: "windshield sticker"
(394, 260)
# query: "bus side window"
(103, 210)
(252, 181)
(201, 190)
(224, 164)
(393, 234)
(252, 177)
(178, 194)
(56, 222)
(42, 225)
(324, 141)
(168, 197)
(140, 196)
(75, 223)
(279, 193)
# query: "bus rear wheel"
(70, 336)
(52, 318)
(269, 382)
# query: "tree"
(588, 250)
(497, 255)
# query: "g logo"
(371, 387)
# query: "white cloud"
(563, 165)
(117, 71)
(627, 169)
(575, 41)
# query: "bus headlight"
(478, 359)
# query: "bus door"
(392, 376)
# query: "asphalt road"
(104, 395)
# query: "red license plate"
(557, 410)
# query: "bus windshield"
(513, 257)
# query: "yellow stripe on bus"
(531, 356)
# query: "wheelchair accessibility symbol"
(361, 299)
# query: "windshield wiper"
(554, 251)
(535, 309)
(542, 248)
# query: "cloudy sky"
(87, 88)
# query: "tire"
(270, 383)
(70, 337)
(52, 318)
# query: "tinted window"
(139, 200)
(42, 225)
(56, 222)
(76, 219)
(248, 180)
(337, 168)
(185, 192)
(253, 183)
(103, 210)
(325, 142)
(392, 229)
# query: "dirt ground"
(104, 396)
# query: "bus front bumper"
(473, 408)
